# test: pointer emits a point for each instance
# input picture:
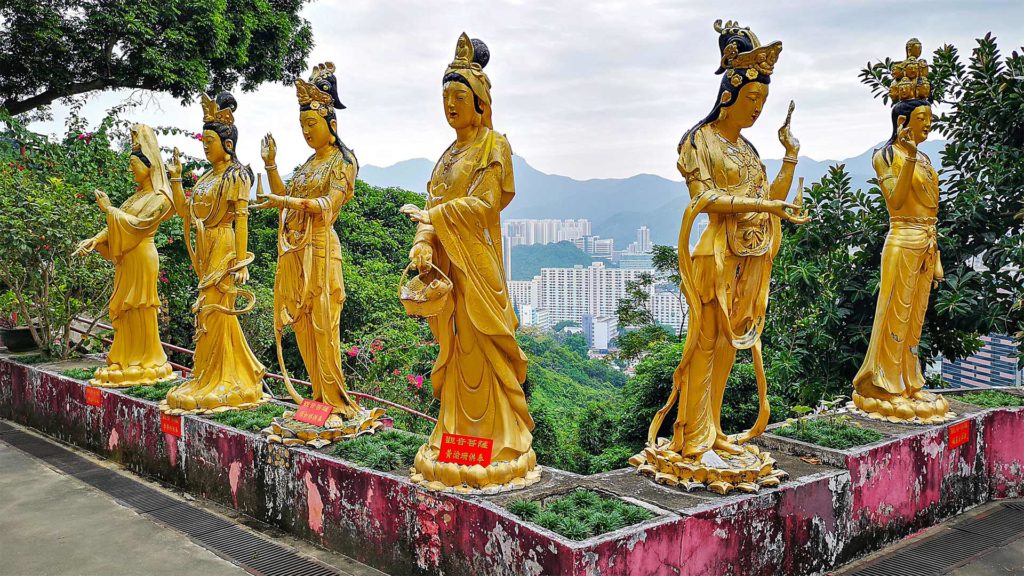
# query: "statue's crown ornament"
(214, 113)
(910, 77)
(741, 50)
(317, 92)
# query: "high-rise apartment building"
(993, 365)
(571, 293)
(527, 232)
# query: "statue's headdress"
(471, 56)
(321, 92)
(910, 77)
(214, 113)
(744, 59)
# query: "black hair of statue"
(904, 108)
(138, 154)
(456, 77)
(726, 86)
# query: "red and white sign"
(465, 450)
(313, 412)
(959, 433)
(93, 396)
(170, 425)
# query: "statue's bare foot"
(722, 443)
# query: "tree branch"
(15, 107)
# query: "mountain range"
(616, 207)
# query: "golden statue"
(309, 290)
(136, 357)
(726, 279)
(479, 372)
(226, 375)
(890, 383)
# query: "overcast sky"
(591, 89)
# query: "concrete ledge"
(856, 501)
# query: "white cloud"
(592, 89)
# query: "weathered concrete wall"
(807, 525)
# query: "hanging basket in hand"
(423, 299)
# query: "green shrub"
(84, 374)
(525, 509)
(580, 514)
(991, 399)
(155, 393)
(252, 420)
(385, 451)
(838, 432)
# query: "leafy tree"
(576, 343)
(666, 262)
(827, 272)
(53, 49)
(46, 208)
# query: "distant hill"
(616, 206)
(528, 260)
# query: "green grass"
(385, 451)
(155, 393)
(252, 420)
(837, 432)
(991, 399)
(84, 374)
(580, 514)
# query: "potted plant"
(17, 338)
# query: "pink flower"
(415, 380)
(396, 372)
(353, 351)
(198, 136)
(377, 346)
(163, 277)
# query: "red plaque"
(170, 425)
(465, 450)
(93, 396)
(313, 412)
(958, 434)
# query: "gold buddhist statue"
(480, 370)
(226, 375)
(890, 383)
(309, 289)
(136, 357)
(726, 279)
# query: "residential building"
(993, 365)
(596, 246)
(600, 331)
(527, 232)
(531, 316)
(667, 309)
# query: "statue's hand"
(102, 200)
(268, 149)
(786, 211)
(415, 213)
(174, 168)
(422, 255)
(268, 201)
(242, 276)
(786, 138)
(84, 247)
(904, 137)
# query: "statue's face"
(315, 129)
(215, 149)
(458, 106)
(920, 123)
(140, 172)
(748, 104)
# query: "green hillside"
(528, 260)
